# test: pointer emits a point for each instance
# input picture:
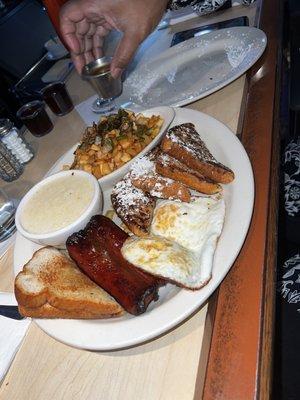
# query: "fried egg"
(162, 257)
(182, 243)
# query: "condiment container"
(9, 135)
(58, 99)
(35, 117)
(10, 167)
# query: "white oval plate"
(106, 182)
(195, 68)
(174, 304)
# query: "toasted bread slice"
(133, 206)
(143, 176)
(171, 168)
(52, 286)
(184, 143)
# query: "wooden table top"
(220, 354)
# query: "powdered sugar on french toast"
(187, 138)
(142, 166)
(145, 167)
(128, 195)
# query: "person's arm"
(85, 23)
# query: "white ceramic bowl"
(108, 181)
(58, 238)
(168, 114)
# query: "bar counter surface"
(224, 351)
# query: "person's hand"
(85, 23)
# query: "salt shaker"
(10, 167)
(9, 135)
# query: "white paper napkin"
(84, 109)
(4, 246)
(11, 334)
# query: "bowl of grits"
(58, 206)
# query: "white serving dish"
(194, 68)
(58, 238)
(174, 304)
(107, 181)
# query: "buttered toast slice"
(171, 168)
(184, 143)
(52, 286)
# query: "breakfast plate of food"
(145, 255)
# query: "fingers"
(97, 46)
(69, 16)
(86, 42)
(124, 53)
(79, 61)
(98, 39)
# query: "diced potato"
(132, 151)
(97, 171)
(100, 155)
(155, 131)
(118, 156)
(101, 160)
(160, 122)
(84, 157)
(105, 169)
(95, 147)
(142, 120)
(124, 143)
(148, 139)
(88, 168)
(112, 133)
(125, 157)
(138, 146)
(114, 152)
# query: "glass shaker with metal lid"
(10, 167)
(10, 137)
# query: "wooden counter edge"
(239, 361)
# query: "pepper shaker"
(9, 135)
(10, 168)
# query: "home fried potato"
(114, 141)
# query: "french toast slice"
(171, 168)
(143, 176)
(184, 143)
(52, 286)
(133, 206)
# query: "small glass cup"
(58, 99)
(35, 118)
(97, 73)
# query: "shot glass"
(58, 99)
(97, 73)
(35, 117)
